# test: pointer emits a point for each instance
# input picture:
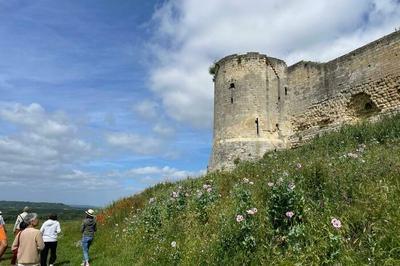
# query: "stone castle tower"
(261, 104)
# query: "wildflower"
(336, 223)
(361, 148)
(252, 211)
(187, 194)
(289, 214)
(246, 180)
(352, 155)
(239, 218)
(151, 200)
(180, 187)
(175, 194)
(291, 186)
(78, 243)
(298, 165)
(205, 186)
(209, 189)
(251, 183)
(173, 244)
(270, 184)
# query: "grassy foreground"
(68, 252)
(333, 201)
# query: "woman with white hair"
(29, 242)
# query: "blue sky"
(101, 99)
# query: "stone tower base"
(228, 152)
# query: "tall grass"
(282, 210)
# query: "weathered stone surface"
(260, 104)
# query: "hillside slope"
(335, 200)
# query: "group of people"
(31, 246)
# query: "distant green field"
(65, 212)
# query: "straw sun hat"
(90, 212)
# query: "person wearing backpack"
(87, 229)
(19, 225)
(50, 230)
(20, 218)
(28, 243)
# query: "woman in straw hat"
(87, 229)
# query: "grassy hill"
(333, 201)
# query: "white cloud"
(147, 109)
(163, 130)
(40, 144)
(139, 144)
(155, 174)
(190, 37)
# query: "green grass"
(352, 175)
(67, 251)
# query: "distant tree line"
(11, 209)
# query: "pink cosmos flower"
(336, 223)
(239, 218)
(289, 214)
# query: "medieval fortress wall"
(260, 104)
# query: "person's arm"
(83, 227)
(15, 244)
(39, 241)
(95, 227)
(17, 222)
(42, 228)
(58, 228)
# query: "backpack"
(22, 224)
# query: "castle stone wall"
(290, 105)
(360, 85)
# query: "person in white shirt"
(1, 219)
(20, 218)
(50, 230)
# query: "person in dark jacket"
(87, 229)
